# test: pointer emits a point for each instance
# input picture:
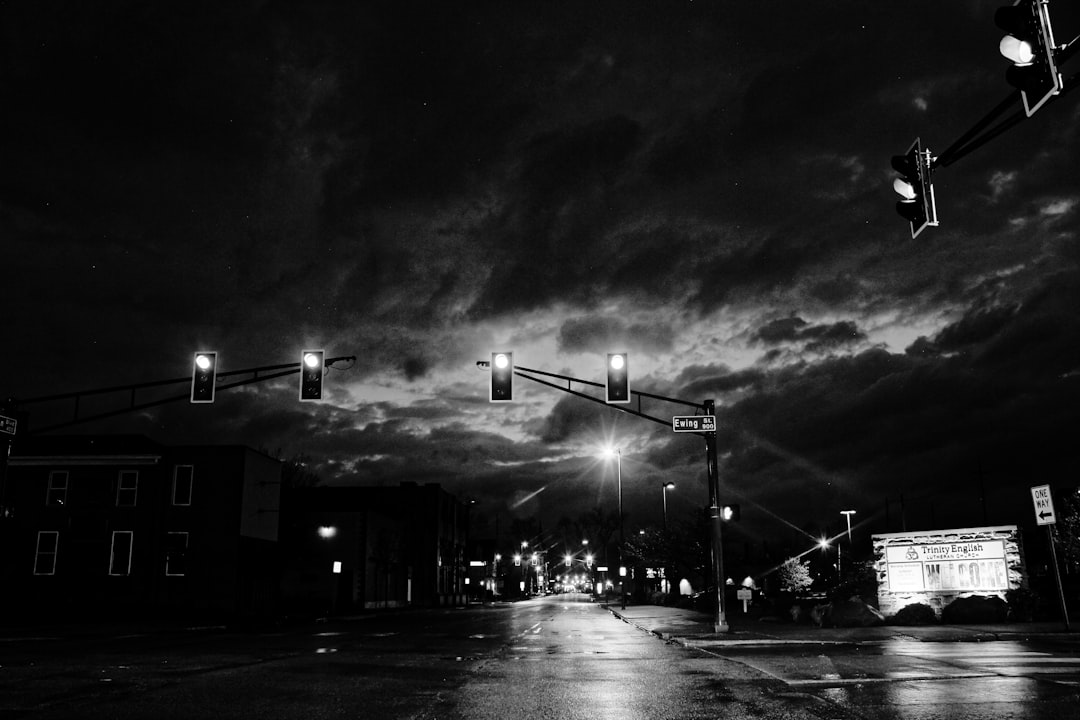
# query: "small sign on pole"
(7, 425)
(746, 595)
(1044, 515)
(1044, 505)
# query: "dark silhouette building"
(121, 526)
(354, 548)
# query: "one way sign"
(1044, 505)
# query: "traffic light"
(311, 375)
(915, 187)
(502, 377)
(729, 513)
(1030, 46)
(617, 389)
(204, 377)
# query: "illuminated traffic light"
(729, 513)
(502, 377)
(204, 377)
(1030, 46)
(915, 187)
(311, 375)
(618, 378)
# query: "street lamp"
(848, 514)
(664, 488)
(825, 545)
(622, 538)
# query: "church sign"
(935, 567)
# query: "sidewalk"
(695, 628)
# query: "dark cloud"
(418, 185)
(815, 338)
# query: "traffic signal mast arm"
(1029, 44)
(528, 373)
(276, 370)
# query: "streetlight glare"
(670, 486)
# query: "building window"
(183, 479)
(48, 542)
(127, 488)
(120, 555)
(58, 485)
(176, 545)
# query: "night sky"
(705, 185)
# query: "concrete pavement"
(695, 628)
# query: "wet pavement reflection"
(913, 680)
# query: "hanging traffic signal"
(730, 513)
(1030, 46)
(502, 377)
(617, 389)
(311, 375)
(204, 377)
(915, 187)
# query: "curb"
(883, 634)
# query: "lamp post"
(622, 538)
(848, 514)
(664, 488)
(824, 545)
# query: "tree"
(794, 575)
(1067, 530)
(598, 528)
(295, 472)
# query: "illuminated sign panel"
(959, 566)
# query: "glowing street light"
(848, 514)
(664, 488)
(622, 536)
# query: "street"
(553, 657)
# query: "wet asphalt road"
(556, 657)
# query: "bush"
(975, 609)
(1023, 604)
(915, 614)
(852, 612)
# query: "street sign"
(693, 423)
(7, 425)
(1044, 505)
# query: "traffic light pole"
(708, 407)
(715, 523)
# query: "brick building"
(121, 526)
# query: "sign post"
(8, 425)
(1044, 515)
